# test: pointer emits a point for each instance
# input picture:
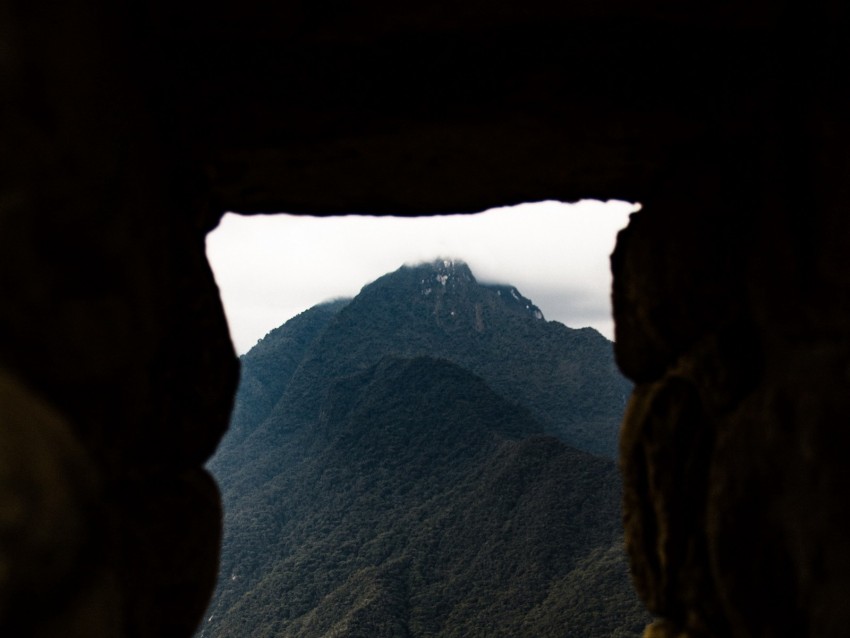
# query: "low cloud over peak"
(269, 268)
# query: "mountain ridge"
(393, 490)
(578, 397)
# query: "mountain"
(265, 373)
(567, 377)
(383, 478)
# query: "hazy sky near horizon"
(269, 268)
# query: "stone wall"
(731, 314)
(117, 371)
(128, 128)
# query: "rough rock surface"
(733, 446)
(127, 129)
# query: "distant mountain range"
(431, 458)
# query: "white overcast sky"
(271, 267)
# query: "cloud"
(270, 267)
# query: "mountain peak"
(438, 277)
(367, 433)
(443, 266)
(443, 274)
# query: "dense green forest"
(398, 465)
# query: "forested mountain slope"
(566, 377)
(382, 478)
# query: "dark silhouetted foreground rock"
(128, 128)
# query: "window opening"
(433, 457)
